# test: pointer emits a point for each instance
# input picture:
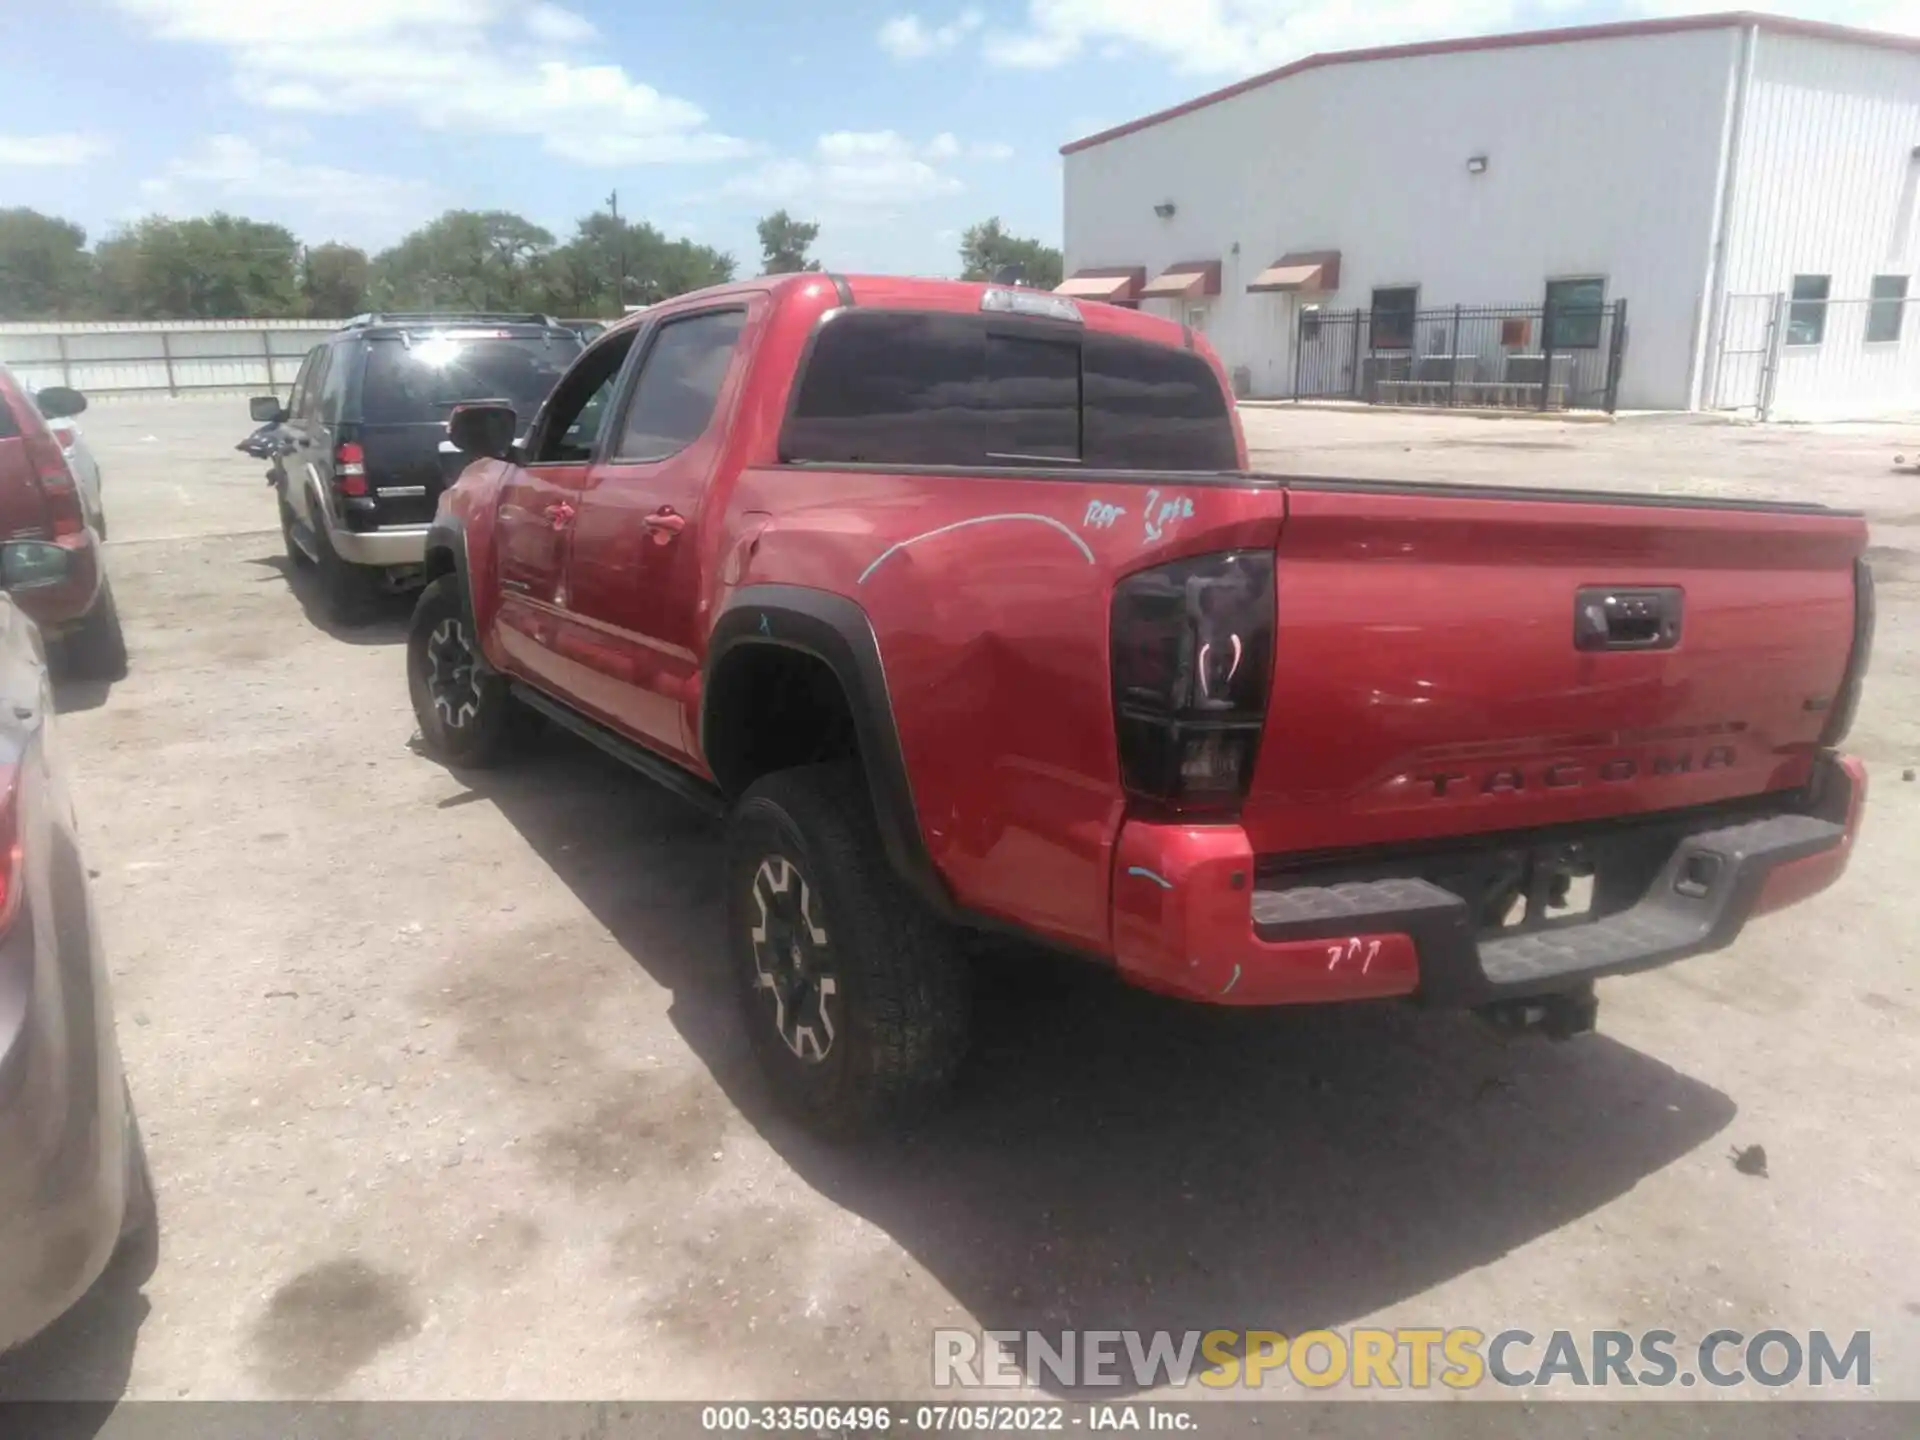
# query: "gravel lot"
(445, 1099)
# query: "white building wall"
(1603, 159)
(1827, 183)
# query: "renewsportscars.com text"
(1461, 1358)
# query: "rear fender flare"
(836, 631)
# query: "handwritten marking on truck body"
(1101, 516)
(1365, 951)
(1161, 514)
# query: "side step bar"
(661, 771)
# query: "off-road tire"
(347, 591)
(96, 649)
(900, 1006)
(470, 730)
(299, 558)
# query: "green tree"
(580, 275)
(216, 267)
(988, 252)
(784, 242)
(465, 260)
(45, 270)
(333, 281)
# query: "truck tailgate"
(1440, 669)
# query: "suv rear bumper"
(399, 545)
(1189, 918)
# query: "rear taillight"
(1847, 702)
(1192, 656)
(57, 488)
(350, 468)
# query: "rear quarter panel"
(989, 601)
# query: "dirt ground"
(445, 1099)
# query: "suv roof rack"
(449, 317)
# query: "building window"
(1887, 309)
(1574, 311)
(1197, 318)
(1391, 327)
(1807, 317)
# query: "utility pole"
(620, 244)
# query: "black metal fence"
(1485, 357)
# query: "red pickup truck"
(961, 604)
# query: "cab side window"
(679, 384)
(575, 411)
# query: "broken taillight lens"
(1192, 655)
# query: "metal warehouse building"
(1714, 212)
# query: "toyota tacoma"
(960, 603)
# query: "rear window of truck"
(898, 387)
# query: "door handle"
(560, 514)
(664, 524)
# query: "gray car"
(74, 1187)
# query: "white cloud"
(908, 37)
(485, 67)
(557, 25)
(230, 171)
(66, 148)
(1238, 37)
(855, 170)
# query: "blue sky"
(894, 125)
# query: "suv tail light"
(350, 468)
(1192, 647)
(58, 489)
(1840, 717)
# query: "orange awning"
(1314, 272)
(1110, 285)
(1188, 280)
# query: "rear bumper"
(1189, 917)
(400, 545)
(58, 608)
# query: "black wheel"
(346, 590)
(288, 520)
(466, 716)
(97, 648)
(856, 996)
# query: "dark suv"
(359, 452)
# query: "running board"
(662, 772)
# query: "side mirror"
(485, 429)
(56, 402)
(266, 410)
(33, 564)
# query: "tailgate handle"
(1605, 618)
